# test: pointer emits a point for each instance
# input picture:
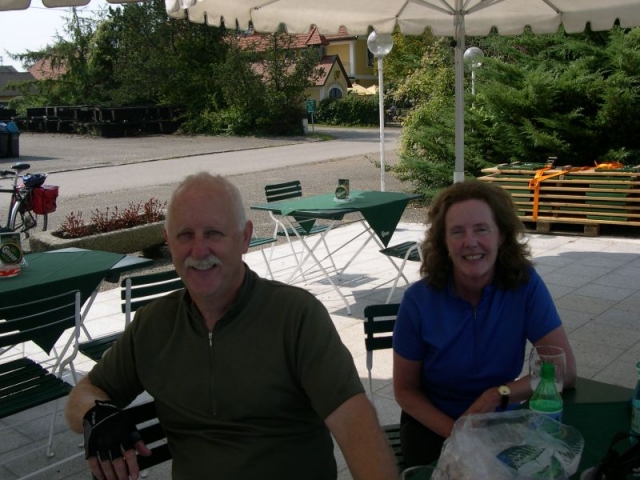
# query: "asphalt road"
(96, 173)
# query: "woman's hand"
(485, 403)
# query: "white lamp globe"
(474, 56)
(380, 44)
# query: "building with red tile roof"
(345, 59)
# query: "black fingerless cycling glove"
(108, 432)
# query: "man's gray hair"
(212, 181)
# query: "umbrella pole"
(458, 174)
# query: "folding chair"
(261, 242)
(378, 329)
(145, 417)
(299, 227)
(407, 251)
(135, 292)
(27, 382)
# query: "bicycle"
(24, 215)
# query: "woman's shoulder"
(423, 289)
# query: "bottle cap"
(548, 370)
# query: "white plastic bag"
(517, 444)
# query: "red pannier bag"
(44, 199)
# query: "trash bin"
(13, 149)
(4, 144)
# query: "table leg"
(319, 264)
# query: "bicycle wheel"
(16, 219)
(23, 220)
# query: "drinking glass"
(547, 354)
(424, 472)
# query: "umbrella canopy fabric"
(24, 4)
(413, 16)
(454, 18)
(358, 89)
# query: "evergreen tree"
(566, 96)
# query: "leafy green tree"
(137, 55)
(567, 96)
(69, 55)
(154, 59)
(427, 142)
(264, 88)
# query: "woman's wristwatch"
(505, 393)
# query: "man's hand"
(110, 443)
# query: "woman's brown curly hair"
(514, 257)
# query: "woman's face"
(473, 239)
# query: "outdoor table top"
(599, 411)
(67, 269)
(59, 271)
(381, 210)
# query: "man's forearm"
(355, 426)
(81, 399)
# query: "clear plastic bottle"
(635, 405)
(546, 399)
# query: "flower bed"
(128, 240)
(133, 229)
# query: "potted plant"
(133, 229)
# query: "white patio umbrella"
(454, 18)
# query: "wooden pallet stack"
(589, 197)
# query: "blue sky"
(35, 27)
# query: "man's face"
(206, 243)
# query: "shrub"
(109, 220)
(352, 110)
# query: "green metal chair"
(26, 379)
(378, 330)
(135, 291)
(407, 251)
(261, 242)
(300, 226)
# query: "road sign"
(311, 106)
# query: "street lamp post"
(380, 45)
(473, 55)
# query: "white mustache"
(203, 263)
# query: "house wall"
(335, 78)
(353, 55)
(365, 74)
(342, 50)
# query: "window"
(335, 92)
(370, 58)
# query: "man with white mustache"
(249, 376)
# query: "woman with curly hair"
(462, 330)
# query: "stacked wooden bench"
(587, 196)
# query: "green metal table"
(59, 271)
(598, 410)
(379, 213)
